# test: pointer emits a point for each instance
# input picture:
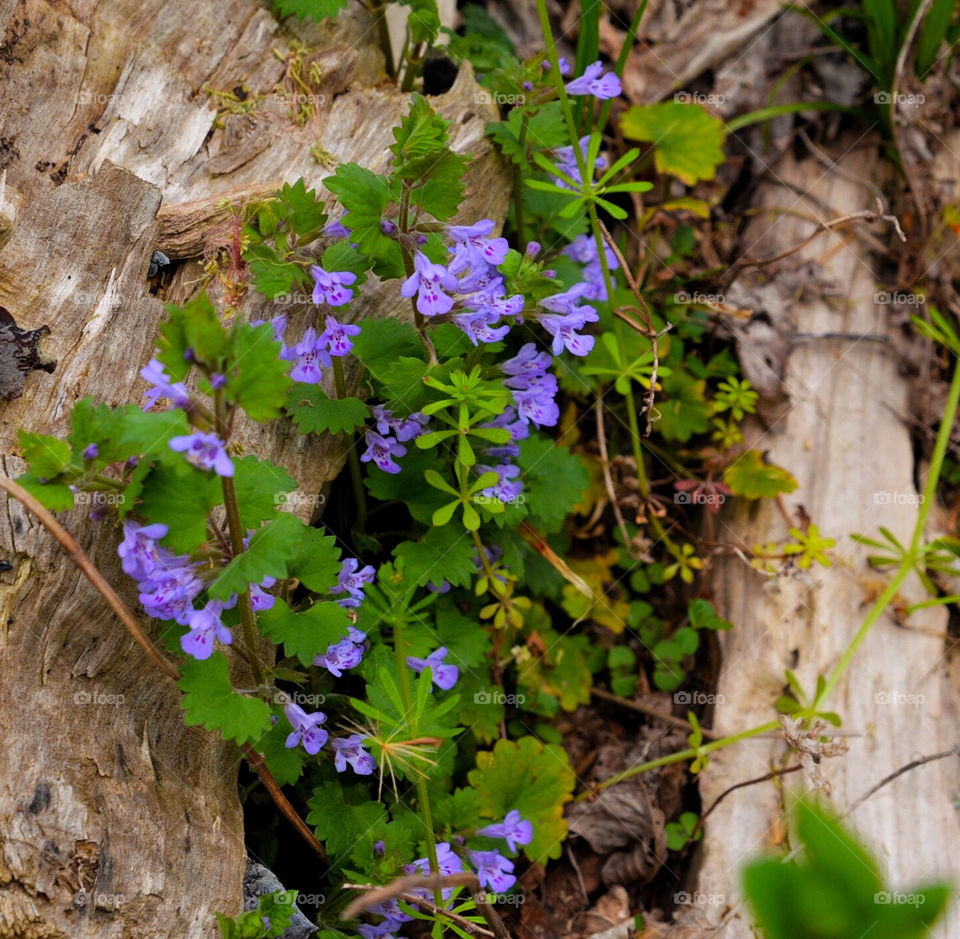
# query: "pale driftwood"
(837, 430)
(115, 820)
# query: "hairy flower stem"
(418, 319)
(236, 532)
(406, 692)
(352, 458)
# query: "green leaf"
(181, 502)
(341, 818)
(554, 479)
(57, 497)
(99, 424)
(442, 191)
(424, 22)
(260, 486)
(685, 411)
(442, 554)
(48, 456)
(305, 635)
(382, 341)
(257, 379)
(310, 9)
(687, 140)
(302, 208)
(364, 196)
(314, 412)
(317, 562)
(209, 699)
(268, 553)
(751, 477)
(194, 326)
(148, 435)
(535, 779)
(272, 276)
(545, 131)
(704, 616)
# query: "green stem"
(518, 184)
(352, 458)
(406, 692)
(912, 557)
(418, 319)
(681, 756)
(236, 531)
(383, 31)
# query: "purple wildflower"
(567, 161)
(204, 451)
(306, 729)
(447, 863)
(381, 450)
(337, 336)
(175, 392)
(493, 870)
(170, 589)
(514, 829)
(91, 452)
(351, 581)
(593, 82)
(506, 488)
(332, 287)
(475, 248)
(443, 676)
(310, 354)
(138, 551)
(428, 281)
(340, 657)
(350, 750)
(336, 229)
(205, 626)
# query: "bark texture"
(115, 820)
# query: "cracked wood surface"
(115, 819)
(839, 434)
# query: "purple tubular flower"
(169, 591)
(384, 930)
(306, 729)
(217, 381)
(340, 657)
(310, 354)
(475, 248)
(514, 829)
(493, 870)
(175, 392)
(567, 161)
(337, 336)
(351, 581)
(566, 316)
(332, 287)
(506, 488)
(91, 452)
(482, 281)
(593, 82)
(443, 676)
(381, 450)
(350, 750)
(406, 428)
(480, 326)
(532, 387)
(204, 451)
(336, 229)
(447, 863)
(562, 62)
(138, 551)
(428, 281)
(205, 626)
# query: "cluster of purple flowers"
(583, 250)
(162, 387)
(313, 352)
(386, 444)
(493, 870)
(533, 389)
(595, 82)
(344, 654)
(566, 160)
(351, 582)
(308, 733)
(169, 583)
(443, 676)
(565, 316)
(508, 487)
